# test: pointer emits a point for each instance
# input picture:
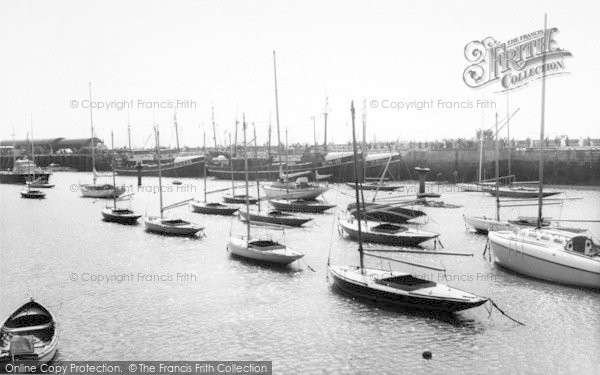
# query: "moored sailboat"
(171, 226)
(262, 250)
(395, 288)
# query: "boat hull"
(507, 193)
(484, 225)
(22, 178)
(530, 259)
(381, 212)
(239, 247)
(122, 218)
(406, 239)
(286, 220)
(308, 193)
(300, 206)
(33, 194)
(186, 168)
(89, 191)
(239, 199)
(157, 225)
(203, 208)
(365, 289)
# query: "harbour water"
(120, 293)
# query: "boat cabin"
(389, 228)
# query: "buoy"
(427, 354)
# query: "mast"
(129, 132)
(204, 147)
(112, 165)
(214, 127)
(235, 138)
(246, 177)
(313, 118)
(32, 151)
(541, 169)
(269, 144)
(325, 117)
(255, 143)
(497, 172)
(176, 129)
(231, 166)
(157, 135)
(481, 146)
(364, 141)
(277, 111)
(92, 130)
(13, 150)
(360, 247)
(508, 131)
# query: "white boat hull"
(158, 225)
(529, 257)
(485, 224)
(308, 193)
(90, 192)
(278, 255)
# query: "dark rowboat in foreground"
(386, 233)
(239, 199)
(33, 194)
(30, 335)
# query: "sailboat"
(391, 287)
(564, 257)
(158, 224)
(285, 189)
(213, 208)
(28, 192)
(93, 190)
(114, 214)
(236, 198)
(263, 250)
(484, 224)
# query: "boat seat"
(28, 328)
(405, 282)
(20, 345)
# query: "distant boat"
(300, 205)
(262, 250)
(174, 226)
(239, 199)
(529, 221)
(386, 233)
(39, 184)
(211, 208)
(191, 166)
(399, 289)
(29, 336)
(374, 186)
(300, 189)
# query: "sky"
(220, 54)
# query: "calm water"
(228, 309)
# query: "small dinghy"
(386, 233)
(120, 215)
(483, 224)
(274, 217)
(239, 199)
(32, 194)
(265, 251)
(212, 208)
(39, 184)
(374, 186)
(300, 205)
(29, 335)
(519, 192)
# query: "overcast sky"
(220, 54)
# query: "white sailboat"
(171, 226)
(552, 255)
(29, 193)
(262, 250)
(284, 189)
(93, 190)
(395, 288)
